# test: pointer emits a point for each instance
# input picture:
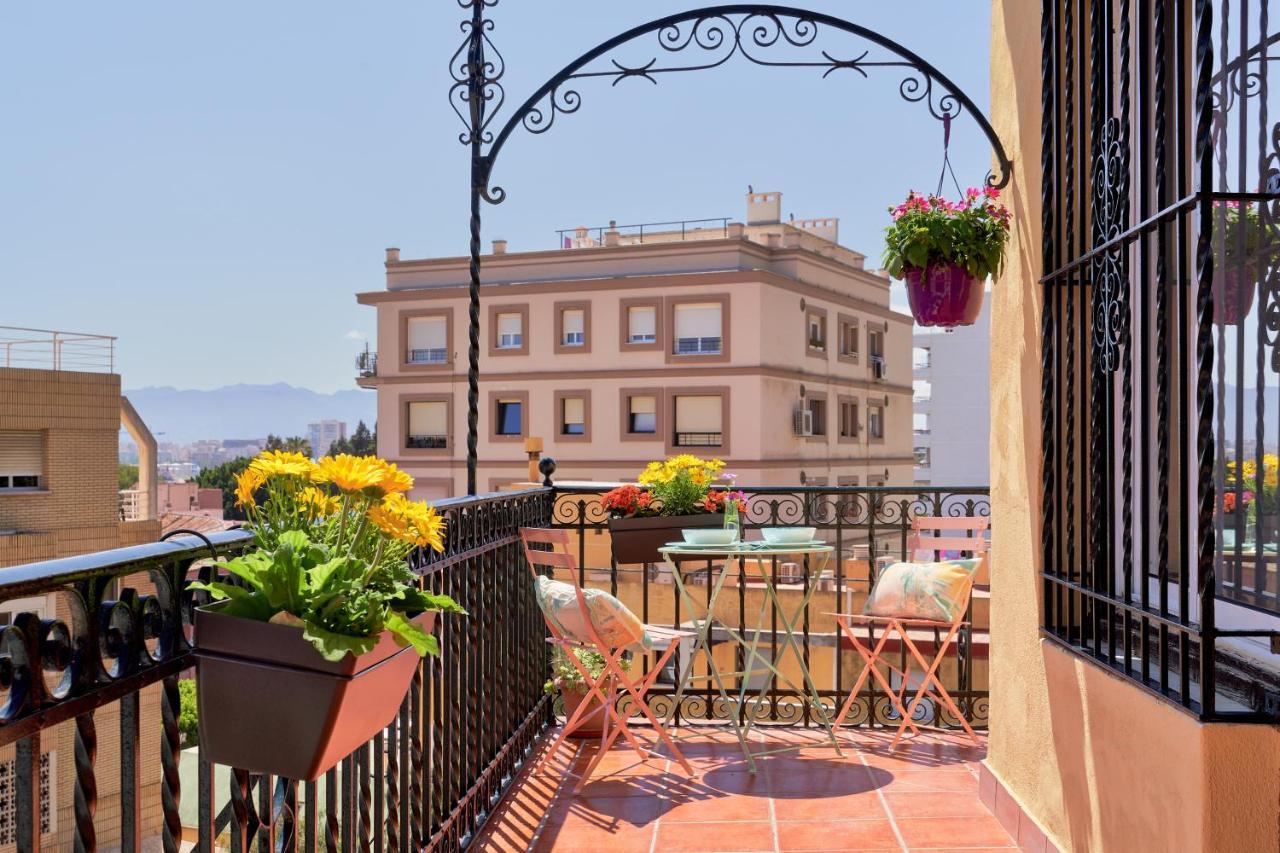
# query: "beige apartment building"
(764, 342)
(61, 412)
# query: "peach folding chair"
(613, 682)
(963, 534)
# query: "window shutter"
(573, 321)
(698, 321)
(509, 324)
(427, 333)
(430, 418)
(21, 454)
(644, 405)
(642, 322)
(574, 411)
(698, 414)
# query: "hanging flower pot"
(1236, 247)
(1233, 292)
(943, 295)
(310, 654)
(946, 250)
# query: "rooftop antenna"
(749, 189)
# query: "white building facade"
(951, 408)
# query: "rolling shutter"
(21, 454)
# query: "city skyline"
(228, 179)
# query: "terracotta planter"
(269, 703)
(1233, 293)
(637, 540)
(943, 295)
(594, 725)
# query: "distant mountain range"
(246, 411)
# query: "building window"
(921, 390)
(875, 422)
(698, 329)
(848, 418)
(847, 481)
(509, 417)
(642, 414)
(849, 338)
(21, 460)
(698, 420)
(817, 331)
(922, 457)
(510, 331)
(817, 407)
(427, 340)
(642, 324)
(920, 423)
(428, 425)
(573, 416)
(573, 333)
(921, 358)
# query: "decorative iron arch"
(716, 34)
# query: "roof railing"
(50, 349)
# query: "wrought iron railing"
(868, 526)
(697, 439)
(430, 442)
(432, 355)
(116, 623)
(697, 346)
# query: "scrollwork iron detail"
(1110, 268)
(762, 34)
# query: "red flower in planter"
(626, 500)
(715, 501)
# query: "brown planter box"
(594, 726)
(269, 703)
(637, 540)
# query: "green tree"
(128, 476)
(293, 444)
(224, 477)
(362, 442)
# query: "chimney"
(499, 247)
(393, 254)
(764, 208)
(735, 230)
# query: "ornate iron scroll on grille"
(1110, 269)
(765, 35)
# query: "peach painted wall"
(1098, 762)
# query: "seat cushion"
(614, 623)
(935, 591)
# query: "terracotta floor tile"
(620, 786)
(934, 804)
(922, 757)
(937, 779)
(837, 835)
(831, 780)
(862, 806)
(721, 807)
(580, 837)
(977, 830)
(738, 836)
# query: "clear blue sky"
(212, 182)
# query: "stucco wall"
(1099, 763)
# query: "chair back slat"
(555, 559)
(976, 526)
(545, 535)
(976, 523)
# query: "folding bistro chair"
(970, 539)
(613, 681)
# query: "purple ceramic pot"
(1233, 289)
(943, 295)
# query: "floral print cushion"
(934, 591)
(615, 625)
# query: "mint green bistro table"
(749, 639)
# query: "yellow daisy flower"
(279, 463)
(393, 479)
(317, 504)
(248, 481)
(350, 473)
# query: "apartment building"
(322, 434)
(764, 342)
(61, 412)
(951, 426)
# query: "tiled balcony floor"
(923, 797)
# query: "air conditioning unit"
(878, 371)
(802, 422)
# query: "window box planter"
(270, 703)
(637, 540)
(944, 295)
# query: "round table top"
(747, 549)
